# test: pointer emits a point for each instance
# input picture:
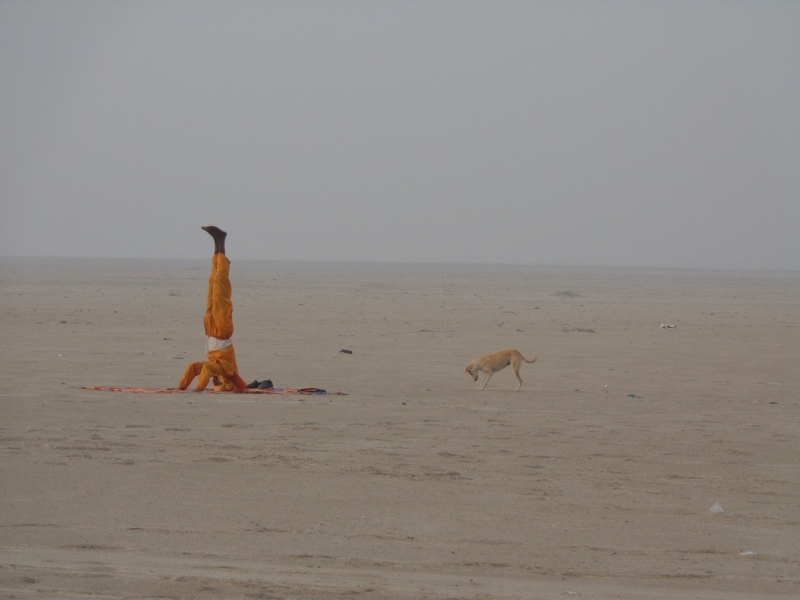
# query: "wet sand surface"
(595, 480)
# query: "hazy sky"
(634, 133)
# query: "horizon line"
(775, 270)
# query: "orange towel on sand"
(270, 391)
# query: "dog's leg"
(485, 380)
(515, 366)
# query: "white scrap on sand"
(666, 326)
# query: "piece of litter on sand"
(716, 509)
(345, 351)
(520, 330)
(749, 553)
(633, 396)
(668, 326)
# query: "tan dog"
(491, 363)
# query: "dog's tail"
(529, 361)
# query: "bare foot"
(215, 232)
(219, 238)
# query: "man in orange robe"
(221, 363)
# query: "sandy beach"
(595, 480)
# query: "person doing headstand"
(221, 363)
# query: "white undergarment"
(213, 343)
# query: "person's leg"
(218, 320)
(210, 295)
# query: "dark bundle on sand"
(261, 385)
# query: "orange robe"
(218, 323)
